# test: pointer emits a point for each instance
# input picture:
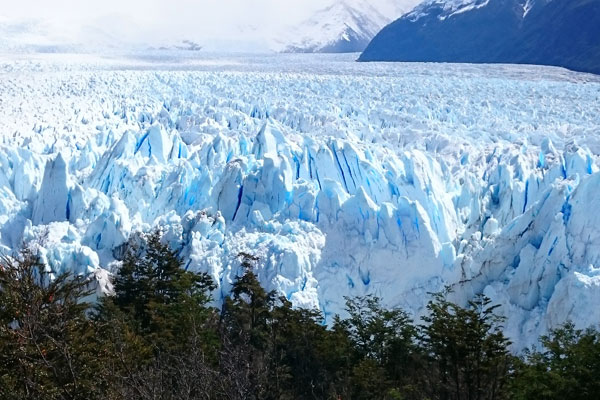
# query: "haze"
(213, 23)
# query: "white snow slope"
(344, 178)
(448, 7)
(341, 26)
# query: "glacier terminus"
(343, 178)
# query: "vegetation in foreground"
(158, 338)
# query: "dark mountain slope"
(559, 32)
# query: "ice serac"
(53, 200)
(343, 178)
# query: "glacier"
(343, 178)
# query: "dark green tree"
(245, 320)
(304, 363)
(248, 310)
(48, 346)
(567, 367)
(159, 327)
(156, 291)
(468, 353)
(384, 343)
(278, 352)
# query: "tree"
(274, 351)
(248, 310)
(567, 367)
(48, 347)
(467, 351)
(384, 344)
(156, 291)
(245, 322)
(159, 323)
(303, 364)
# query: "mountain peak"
(344, 26)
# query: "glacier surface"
(344, 178)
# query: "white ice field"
(344, 178)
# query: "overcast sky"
(169, 20)
(156, 11)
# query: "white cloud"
(208, 22)
(154, 20)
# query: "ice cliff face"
(393, 180)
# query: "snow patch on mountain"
(343, 26)
(449, 8)
(337, 28)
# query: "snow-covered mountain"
(344, 178)
(550, 32)
(338, 28)
(341, 27)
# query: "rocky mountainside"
(564, 33)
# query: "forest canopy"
(159, 337)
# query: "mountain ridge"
(339, 27)
(558, 32)
(342, 27)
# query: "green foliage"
(466, 349)
(245, 326)
(300, 359)
(281, 352)
(157, 337)
(384, 348)
(48, 348)
(384, 335)
(158, 325)
(156, 292)
(247, 312)
(566, 368)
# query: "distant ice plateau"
(344, 178)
